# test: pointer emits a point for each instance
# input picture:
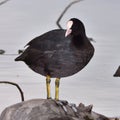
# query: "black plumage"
(57, 55)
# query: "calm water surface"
(21, 21)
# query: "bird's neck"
(78, 40)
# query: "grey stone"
(48, 109)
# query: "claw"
(73, 106)
(62, 104)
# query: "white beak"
(68, 32)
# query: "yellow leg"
(57, 82)
(48, 80)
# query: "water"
(21, 21)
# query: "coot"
(59, 53)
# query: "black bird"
(59, 53)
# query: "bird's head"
(75, 27)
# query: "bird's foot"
(74, 108)
(63, 104)
(49, 98)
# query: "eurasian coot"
(59, 53)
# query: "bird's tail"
(19, 58)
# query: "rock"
(117, 73)
(48, 109)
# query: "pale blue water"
(21, 21)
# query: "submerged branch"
(3, 2)
(18, 87)
(64, 11)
